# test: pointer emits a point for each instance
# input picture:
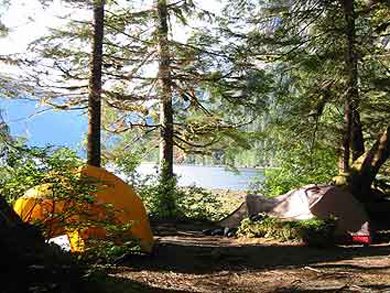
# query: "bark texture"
(95, 86)
(357, 140)
(167, 202)
(365, 169)
(352, 130)
(165, 86)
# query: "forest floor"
(188, 261)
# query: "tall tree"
(95, 85)
(165, 90)
(352, 136)
(153, 80)
(324, 96)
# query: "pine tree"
(95, 86)
(152, 80)
(322, 53)
(166, 92)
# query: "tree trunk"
(167, 202)
(165, 86)
(357, 140)
(365, 169)
(352, 136)
(346, 141)
(95, 85)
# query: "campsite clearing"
(187, 261)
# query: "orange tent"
(38, 205)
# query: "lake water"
(209, 176)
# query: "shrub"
(197, 203)
(54, 171)
(298, 167)
(313, 232)
(115, 246)
(24, 167)
(191, 203)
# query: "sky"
(27, 20)
(59, 128)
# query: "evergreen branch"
(297, 46)
(130, 36)
(380, 62)
(175, 3)
(123, 47)
(195, 145)
(218, 54)
(66, 72)
(128, 77)
(64, 107)
(129, 14)
(137, 139)
(132, 125)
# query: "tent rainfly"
(307, 202)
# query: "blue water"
(25, 118)
(209, 176)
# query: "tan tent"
(308, 202)
(38, 205)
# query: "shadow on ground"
(195, 259)
(117, 284)
(188, 251)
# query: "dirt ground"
(187, 261)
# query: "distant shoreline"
(216, 166)
(209, 177)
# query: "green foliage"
(24, 167)
(192, 203)
(299, 166)
(116, 245)
(127, 164)
(164, 198)
(53, 170)
(197, 203)
(315, 232)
